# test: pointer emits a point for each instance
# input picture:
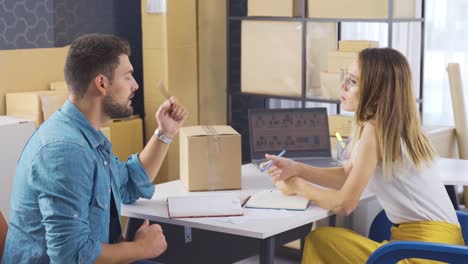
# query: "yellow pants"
(339, 245)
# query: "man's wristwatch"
(162, 137)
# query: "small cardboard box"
(36, 106)
(14, 133)
(330, 84)
(126, 136)
(340, 123)
(338, 60)
(210, 158)
(271, 58)
(360, 8)
(356, 45)
(58, 86)
(285, 8)
(321, 38)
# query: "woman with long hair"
(391, 156)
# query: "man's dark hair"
(90, 55)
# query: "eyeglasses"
(349, 82)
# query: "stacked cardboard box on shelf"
(126, 136)
(321, 39)
(36, 106)
(342, 124)
(360, 8)
(58, 86)
(24, 70)
(340, 60)
(356, 45)
(271, 60)
(186, 48)
(338, 63)
(285, 8)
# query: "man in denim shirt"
(69, 185)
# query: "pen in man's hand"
(271, 162)
(164, 91)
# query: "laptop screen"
(303, 132)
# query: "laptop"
(302, 132)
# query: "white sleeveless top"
(412, 195)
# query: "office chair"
(3, 233)
(398, 250)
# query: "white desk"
(453, 172)
(264, 230)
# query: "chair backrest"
(3, 233)
(380, 229)
(463, 219)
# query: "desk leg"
(453, 196)
(267, 250)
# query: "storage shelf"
(315, 99)
(310, 19)
(239, 102)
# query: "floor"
(284, 255)
(278, 260)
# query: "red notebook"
(204, 206)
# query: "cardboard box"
(271, 59)
(338, 60)
(170, 54)
(340, 123)
(59, 86)
(321, 39)
(360, 8)
(14, 133)
(210, 158)
(330, 84)
(356, 45)
(36, 106)
(212, 85)
(24, 70)
(284, 8)
(126, 136)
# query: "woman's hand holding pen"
(284, 173)
(282, 168)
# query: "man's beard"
(113, 109)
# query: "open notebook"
(274, 199)
(203, 206)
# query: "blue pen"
(271, 162)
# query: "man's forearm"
(123, 252)
(152, 156)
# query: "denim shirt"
(60, 203)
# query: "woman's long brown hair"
(386, 95)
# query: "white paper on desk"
(203, 206)
(156, 6)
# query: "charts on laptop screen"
(303, 132)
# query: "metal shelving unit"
(239, 103)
